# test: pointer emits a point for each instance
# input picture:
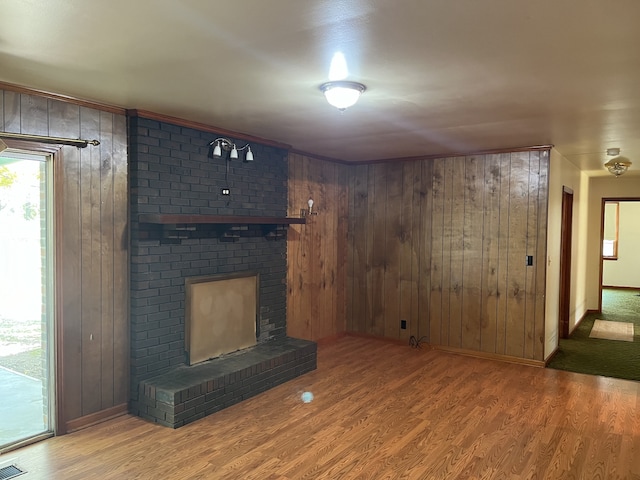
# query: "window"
(610, 237)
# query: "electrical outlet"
(226, 191)
(403, 324)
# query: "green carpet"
(609, 358)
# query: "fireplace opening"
(221, 315)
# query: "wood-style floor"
(380, 410)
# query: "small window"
(610, 237)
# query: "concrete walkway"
(21, 407)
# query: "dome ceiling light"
(342, 94)
(617, 165)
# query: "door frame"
(55, 151)
(601, 273)
(566, 238)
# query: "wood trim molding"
(321, 157)
(534, 148)
(95, 418)
(489, 356)
(330, 339)
(132, 113)
(60, 422)
(459, 351)
(383, 339)
(457, 154)
(46, 148)
(62, 98)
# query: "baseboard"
(551, 355)
(615, 287)
(330, 339)
(490, 356)
(379, 337)
(94, 418)
(459, 351)
(584, 315)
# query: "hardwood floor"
(381, 410)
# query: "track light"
(220, 144)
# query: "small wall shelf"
(173, 228)
(185, 219)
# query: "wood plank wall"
(91, 232)
(317, 251)
(442, 244)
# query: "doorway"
(26, 297)
(565, 261)
(619, 261)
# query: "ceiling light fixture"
(342, 94)
(617, 165)
(227, 145)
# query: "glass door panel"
(26, 297)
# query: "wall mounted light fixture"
(308, 211)
(227, 145)
(617, 165)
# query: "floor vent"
(10, 472)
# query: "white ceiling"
(442, 76)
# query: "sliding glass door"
(26, 297)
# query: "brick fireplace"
(171, 174)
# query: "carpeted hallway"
(609, 358)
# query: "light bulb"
(217, 151)
(310, 203)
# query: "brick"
(171, 173)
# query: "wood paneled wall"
(442, 243)
(92, 249)
(317, 251)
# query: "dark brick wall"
(170, 173)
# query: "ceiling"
(442, 76)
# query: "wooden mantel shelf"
(184, 219)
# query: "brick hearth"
(186, 394)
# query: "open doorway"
(26, 297)
(607, 341)
(620, 262)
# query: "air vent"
(10, 472)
